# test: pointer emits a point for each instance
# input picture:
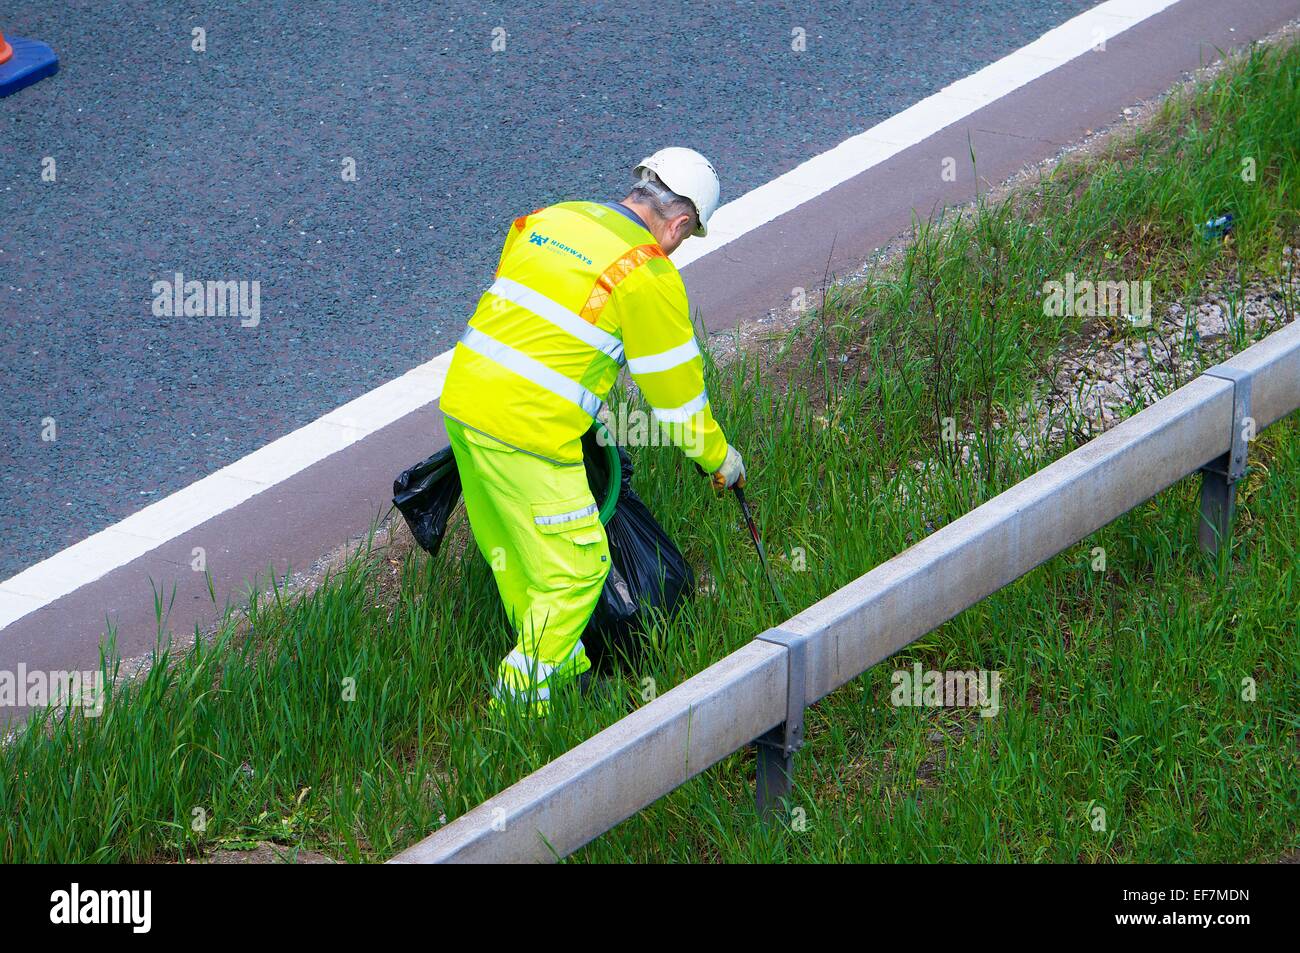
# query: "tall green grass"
(353, 718)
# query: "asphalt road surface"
(228, 165)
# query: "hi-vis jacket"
(581, 290)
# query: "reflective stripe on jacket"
(581, 290)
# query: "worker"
(582, 289)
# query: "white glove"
(732, 471)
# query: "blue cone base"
(32, 61)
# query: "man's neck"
(643, 213)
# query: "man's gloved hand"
(732, 471)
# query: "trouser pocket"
(592, 554)
(575, 521)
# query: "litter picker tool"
(762, 553)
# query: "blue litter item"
(32, 61)
(1217, 227)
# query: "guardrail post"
(774, 773)
(1219, 477)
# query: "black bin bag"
(647, 574)
(425, 495)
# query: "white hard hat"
(690, 175)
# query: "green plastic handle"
(615, 472)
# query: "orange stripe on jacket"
(612, 275)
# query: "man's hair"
(666, 203)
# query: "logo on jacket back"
(544, 241)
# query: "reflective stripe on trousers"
(534, 670)
(503, 692)
(566, 517)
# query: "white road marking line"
(174, 515)
(917, 123)
(199, 502)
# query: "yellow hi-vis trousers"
(538, 526)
